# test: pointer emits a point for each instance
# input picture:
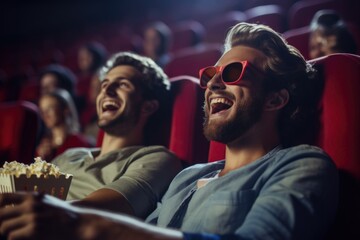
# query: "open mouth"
(219, 104)
(110, 106)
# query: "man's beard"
(247, 114)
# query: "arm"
(141, 186)
(38, 217)
(106, 199)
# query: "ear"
(276, 100)
(149, 107)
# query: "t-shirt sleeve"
(146, 179)
(298, 201)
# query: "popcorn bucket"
(49, 184)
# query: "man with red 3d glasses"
(256, 97)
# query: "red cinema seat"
(190, 60)
(30, 92)
(270, 15)
(182, 131)
(299, 38)
(19, 126)
(301, 12)
(187, 34)
(340, 132)
(186, 137)
(217, 27)
(285, 4)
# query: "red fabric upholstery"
(339, 134)
(301, 13)
(72, 141)
(183, 131)
(187, 34)
(218, 26)
(299, 38)
(19, 126)
(190, 60)
(186, 138)
(30, 92)
(270, 15)
(254, 3)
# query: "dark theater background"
(37, 33)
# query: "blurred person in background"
(91, 57)
(156, 43)
(330, 34)
(56, 76)
(62, 129)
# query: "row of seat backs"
(339, 134)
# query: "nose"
(110, 89)
(216, 83)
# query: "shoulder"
(153, 151)
(152, 156)
(303, 152)
(303, 160)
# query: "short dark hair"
(66, 78)
(286, 69)
(154, 83)
(165, 35)
(99, 54)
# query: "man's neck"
(111, 143)
(246, 150)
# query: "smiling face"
(51, 111)
(230, 110)
(119, 101)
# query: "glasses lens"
(232, 72)
(207, 75)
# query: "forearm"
(95, 224)
(106, 199)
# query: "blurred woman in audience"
(62, 126)
(156, 44)
(330, 34)
(91, 57)
(56, 76)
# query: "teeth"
(107, 104)
(220, 100)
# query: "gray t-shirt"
(141, 174)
